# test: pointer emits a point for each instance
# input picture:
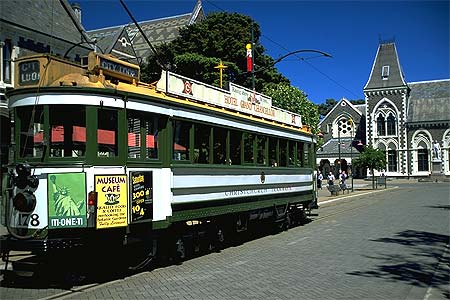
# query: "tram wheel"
(288, 222)
(180, 249)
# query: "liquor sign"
(29, 72)
(237, 99)
(112, 205)
(141, 195)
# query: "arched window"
(392, 161)
(391, 125)
(381, 129)
(422, 160)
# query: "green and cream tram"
(103, 159)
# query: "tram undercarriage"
(125, 251)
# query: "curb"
(353, 196)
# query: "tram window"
(31, 121)
(152, 128)
(261, 144)
(220, 145)
(235, 147)
(143, 128)
(291, 153)
(306, 149)
(107, 133)
(273, 157)
(134, 137)
(68, 135)
(300, 154)
(181, 133)
(283, 153)
(201, 143)
(249, 139)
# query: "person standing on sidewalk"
(342, 178)
(319, 180)
(330, 178)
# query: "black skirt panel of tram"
(9, 243)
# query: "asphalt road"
(391, 244)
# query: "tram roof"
(110, 74)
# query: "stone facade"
(405, 120)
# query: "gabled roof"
(118, 44)
(429, 101)
(386, 57)
(53, 18)
(158, 31)
(361, 108)
(339, 104)
(331, 147)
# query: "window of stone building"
(392, 161)
(422, 160)
(381, 129)
(345, 127)
(6, 52)
(391, 125)
(385, 72)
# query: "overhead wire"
(300, 58)
(312, 66)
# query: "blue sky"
(348, 30)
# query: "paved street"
(387, 244)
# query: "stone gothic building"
(409, 121)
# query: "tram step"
(25, 268)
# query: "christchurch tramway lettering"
(256, 192)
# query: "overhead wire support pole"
(253, 60)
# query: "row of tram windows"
(63, 131)
(205, 144)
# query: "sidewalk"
(360, 186)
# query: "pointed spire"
(386, 70)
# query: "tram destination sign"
(113, 67)
(29, 72)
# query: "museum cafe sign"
(236, 98)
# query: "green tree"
(200, 46)
(291, 98)
(223, 36)
(358, 101)
(372, 159)
(325, 108)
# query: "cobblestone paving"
(385, 245)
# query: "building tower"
(386, 94)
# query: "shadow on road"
(66, 273)
(446, 207)
(424, 266)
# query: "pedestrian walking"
(319, 180)
(342, 178)
(330, 178)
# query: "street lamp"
(351, 146)
(280, 59)
(339, 148)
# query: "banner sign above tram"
(238, 98)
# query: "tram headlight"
(23, 170)
(24, 201)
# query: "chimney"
(77, 9)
